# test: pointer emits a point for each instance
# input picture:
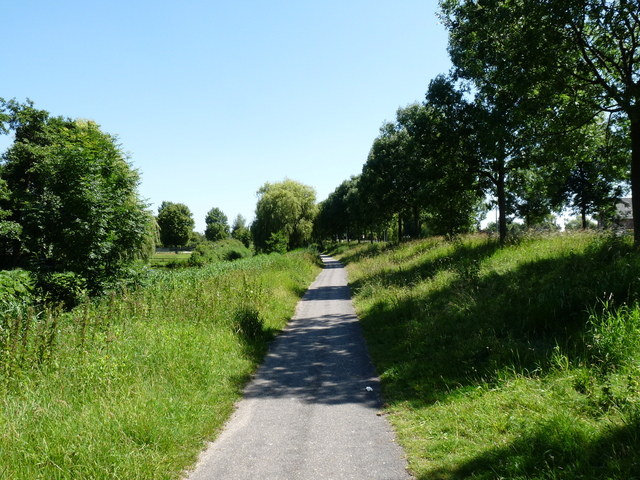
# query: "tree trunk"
(502, 201)
(399, 228)
(635, 175)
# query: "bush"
(278, 243)
(16, 290)
(66, 288)
(223, 250)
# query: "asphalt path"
(313, 409)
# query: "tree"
(343, 214)
(452, 192)
(392, 176)
(598, 175)
(239, 231)
(217, 227)
(73, 196)
(176, 224)
(569, 57)
(284, 210)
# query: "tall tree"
(176, 224)
(569, 56)
(74, 196)
(392, 176)
(217, 227)
(451, 191)
(239, 231)
(285, 211)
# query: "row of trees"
(285, 213)
(539, 113)
(175, 225)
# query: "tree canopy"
(70, 202)
(176, 224)
(239, 231)
(558, 61)
(217, 226)
(285, 212)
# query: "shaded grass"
(132, 386)
(493, 360)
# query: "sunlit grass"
(132, 386)
(514, 362)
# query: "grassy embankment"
(520, 362)
(131, 387)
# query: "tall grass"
(130, 387)
(515, 362)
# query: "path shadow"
(321, 357)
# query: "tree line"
(539, 113)
(72, 217)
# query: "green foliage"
(475, 341)
(16, 292)
(239, 231)
(175, 221)
(612, 336)
(277, 243)
(130, 386)
(287, 207)
(66, 288)
(561, 66)
(217, 227)
(73, 196)
(576, 224)
(223, 250)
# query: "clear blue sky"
(214, 98)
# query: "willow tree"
(284, 216)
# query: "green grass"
(132, 386)
(169, 259)
(517, 362)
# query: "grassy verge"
(520, 362)
(131, 387)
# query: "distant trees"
(285, 212)
(176, 224)
(240, 231)
(69, 200)
(217, 226)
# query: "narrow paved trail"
(312, 411)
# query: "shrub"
(248, 323)
(16, 290)
(66, 288)
(223, 250)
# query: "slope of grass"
(515, 362)
(132, 386)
